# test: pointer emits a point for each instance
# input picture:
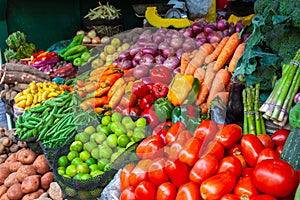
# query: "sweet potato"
(4, 172)
(26, 156)
(14, 166)
(14, 192)
(46, 179)
(3, 190)
(24, 171)
(11, 179)
(31, 184)
(33, 195)
(41, 165)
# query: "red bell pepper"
(160, 90)
(140, 89)
(147, 101)
(162, 129)
(151, 117)
(150, 148)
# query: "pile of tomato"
(214, 162)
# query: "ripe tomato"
(242, 160)
(231, 164)
(128, 193)
(156, 172)
(124, 176)
(266, 140)
(251, 146)
(205, 167)
(247, 171)
(263, 197)
(173, 131)
(150, 147)
(229, 135)
(275, 177)
(230, 197)
(235, 150)
(217, 185)
(175, 167)
(190, 152)
(278, 150)
(213, 147)
(279, 137)
(206, 130)
(177, 145)
(145, 190)
(245, 187)
(266, 153)
(166, 191)
(140, 172)
(188, 191)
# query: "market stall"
(202, 107)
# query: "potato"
(26, 156)
(14, 166)
(4, 197)
(11, 158)
(4, 172)
(11, 179)
(14, 192)
(33, 195)
(24, 171)
(41, 165)
(31, 184)
(46, 180)
(3, 190)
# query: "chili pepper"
(77, 62)
(160, 90)
(77, 39)
(163, 109)
(75, 50)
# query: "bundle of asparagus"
(279, 103)
(253, 120)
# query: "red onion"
(163, 45)
(209, 28)
(162, 30)
(239, 26)
(126, 64)
(170, 33)
(297, 98)
(147, 58)
(141, 42)
(140, 71)
(200, 42)
(136, 59)
(201, 21)
(215, 36)
(222, 24)
(172, 62)
(167, 52)
(146, 80)
(176, 42)
(200, 36)
(226, 33)
(179, 53)
(176, 70)
(188, 32)
(189, 45)
(146, 34)
(158, 38)
(245, 37)
(134, 50)
(159, 59)
(181, 30)
(197, 28)
(149, 50)
(231, 28)
(124, 55)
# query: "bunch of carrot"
(213, 65)
(94, 90)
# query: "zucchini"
(291, 149)
(297, 195)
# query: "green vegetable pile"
(18, 47)
(274, 41)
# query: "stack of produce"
(213, 162)
(44, 61)
(18, 47)
(25, 175)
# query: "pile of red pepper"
(214, 162)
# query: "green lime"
(90, 130)
(76, 161)
(106, 120)
(84, 155)
(96, 173)
(72, 154)
(128, 122)
(101, 163)
(105, 152)
(83, 168)
(71, 170)
(93, 167)
(114, 125)
(141, 122)
(112, 140)
(99, 137)
(138, 135)
(123, 140)
(91, 161)
(85, 177)
(77, 176)
(61, 170)
(82, 136)
(116, 117)
(63, 161)
(103, 129)
(76, 146)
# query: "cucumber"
(291, 149)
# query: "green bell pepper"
(163, 108)
(294, 116)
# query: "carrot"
(204, 108)
(221, 79)
(236, 56)
(214, 55)
(199, 58)
(111, 70)
(101, 91)
(99, 110)
(119, 83)
(90, 87)
(128, 72)
(215, 44)
(200, 74)
(94, 102)
(227, 50)
(116, 97)
(97, 71)
(184, 61)
(228, 86)
(206, 84)
(108, 78)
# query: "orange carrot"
(200, 74)
(119, 83)
(236, 56)
(221, 79)
(101, 91)
(111, 70)
(99, 110)
(206, 84)
(97, 71)
(108, 78)
(184, 61)
(214, 55)
(228, 86)
(94, 102)
(204, 108)
(227, 50)
(198, 60)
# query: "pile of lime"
(96, 147)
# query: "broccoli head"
(260, 6)
(295, 17)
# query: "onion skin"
(222, 24)
(297, 98)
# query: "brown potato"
(14, 192)
(11, 179)
(4, 172)
(26, 156)
(41, 165)
(46, 180)
(11, 158)
(31, 184)
(14, 166)
(3, 190)
(33, 195)
(4, 197)
(24, 171)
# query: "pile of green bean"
(107, 11)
